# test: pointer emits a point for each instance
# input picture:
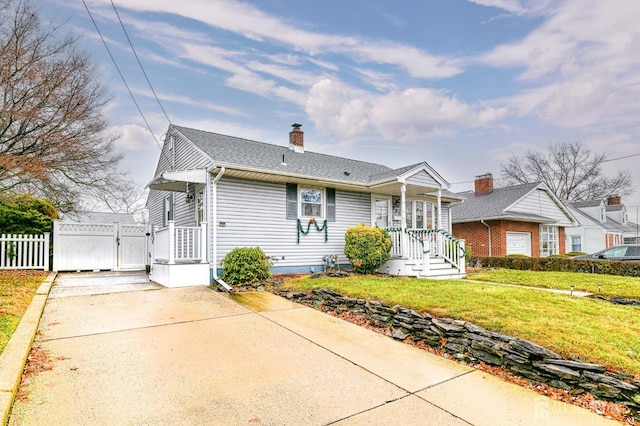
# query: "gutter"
(489, 232)
(214, 219)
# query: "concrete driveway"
(125, 351)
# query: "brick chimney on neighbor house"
(296, 138)
(484, 184)
(613, 200)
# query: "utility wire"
(140, 63)
(121, 75)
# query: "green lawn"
(17, 289)
(610, 285)
(578, 328)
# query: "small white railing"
(24, 251)
(180, 244)
(424, 243)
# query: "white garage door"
(519, 243)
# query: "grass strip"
(17, 288)
(605, 285)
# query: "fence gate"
(100, 246)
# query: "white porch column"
(439, 201)
(403, 221)
(172, 242)
(203, 242)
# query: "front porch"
(179, 256)
(425, 253)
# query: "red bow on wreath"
(312, 220)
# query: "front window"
(576, 243)
(548, 240)
(419, 214)
(409, 213)
(311, 201)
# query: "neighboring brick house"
(521, 219)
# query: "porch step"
(438, 269)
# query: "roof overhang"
(528, 218)
(177, 180)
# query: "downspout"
(214, 219)
(489, 232)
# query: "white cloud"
(407, 115)
(250, 22)
(132, 138)
(581, 66)
(517, 7)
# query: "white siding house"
(222, 192)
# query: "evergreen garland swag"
(318, 228)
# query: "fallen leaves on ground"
(37, 362)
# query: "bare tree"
(571, 172)
(53, 139)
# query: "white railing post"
(203, 242)
(172, 242)
(403, 221)
(45, 249)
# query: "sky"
(460, 84)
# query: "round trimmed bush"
(244, 265)
(367, 247)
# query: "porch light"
(599, 287)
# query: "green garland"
(318, 228)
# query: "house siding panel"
(539, 202)
(254, 214)
(423, 179)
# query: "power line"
(121, 75)
(139, 63)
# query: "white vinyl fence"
(24, 251)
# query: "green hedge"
(561, 264)
(244, 265)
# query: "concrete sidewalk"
(146, 355)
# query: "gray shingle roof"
(494, 204)
(587, 203)
(233, 151)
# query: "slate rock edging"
(471, 343)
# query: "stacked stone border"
(470, 343)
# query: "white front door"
(381, 211)
(519, 243)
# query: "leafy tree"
(24, 214)
(571, 172)
(53, 139)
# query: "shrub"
(25, 214)
(367, 247)
(244, 265)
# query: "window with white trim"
(311, 202)
(576, 243)
(548, 240)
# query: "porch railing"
(24, 251)
(421, 244)
(180, 244)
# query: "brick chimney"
(296, 138)
(613, 200)
(484, 184)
